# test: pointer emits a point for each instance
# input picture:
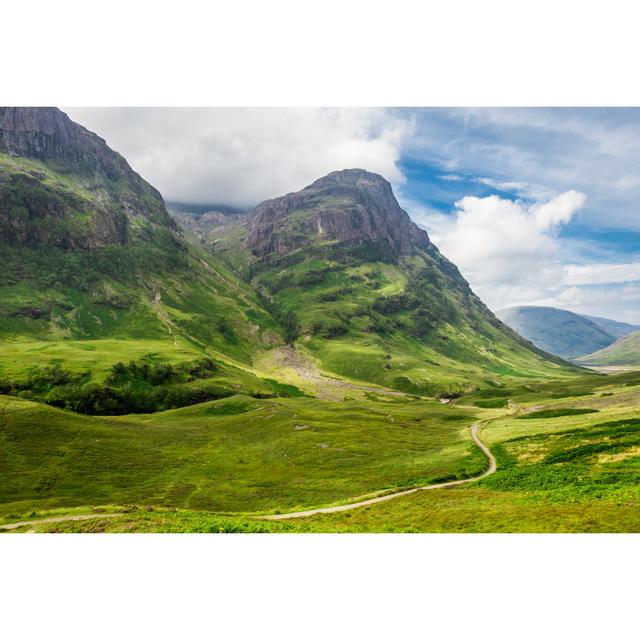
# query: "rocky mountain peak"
(348, 206)
(61, 184)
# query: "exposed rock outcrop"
(62, 185)
(348, 206)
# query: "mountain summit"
(62, 185)
(89, 251)
(350, 206)
(358, 285)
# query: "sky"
(536, 206)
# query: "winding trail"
(88, 516)
(391, 496)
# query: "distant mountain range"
(623, 352)
(614, 327)
(564, 333)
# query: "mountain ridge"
(65, 283)
(338, 271)
(625, 351)
(61, 184)
(564, 333)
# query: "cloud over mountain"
(240, 156)
(506, 242)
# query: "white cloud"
(500, 241)
(527, 190)
(241, 156)
(550, 215)
(596, 273)
(505, 248)
(510, 254)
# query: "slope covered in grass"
(234, 454)
(578, 472)
(95, 271)
(623, 352)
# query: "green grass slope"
(406, 325)
(235, 454)
(95, 272)
(623, 352)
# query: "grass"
(195, 469)
(238, 454)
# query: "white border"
(322, 586)
(337, 52)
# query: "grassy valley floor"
(238, 454)
(568, 460)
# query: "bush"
(136, 387)
(555, 413)
(330, 328)
(494, 403)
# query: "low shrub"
(555, 413)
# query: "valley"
(567, 460)
(176, 369)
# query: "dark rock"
(346, 206)
(96, 211)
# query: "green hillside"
(95, 272)
(210, 468)
(235, 454)
(361, 288)
(623, 352)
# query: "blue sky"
(588, 260)
(535, 206)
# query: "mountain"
(362, 289)
(557, 331)
(208, 226)
(623, 352)
(614, 327)
(60, 185)
(351, 206)
(108, 305)
(95, 271)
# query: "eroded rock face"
(346, 206)
(83, 195)
(45, 133)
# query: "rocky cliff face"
(350, 206)
(60, 184)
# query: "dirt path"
(391, 496)
(88, 516)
